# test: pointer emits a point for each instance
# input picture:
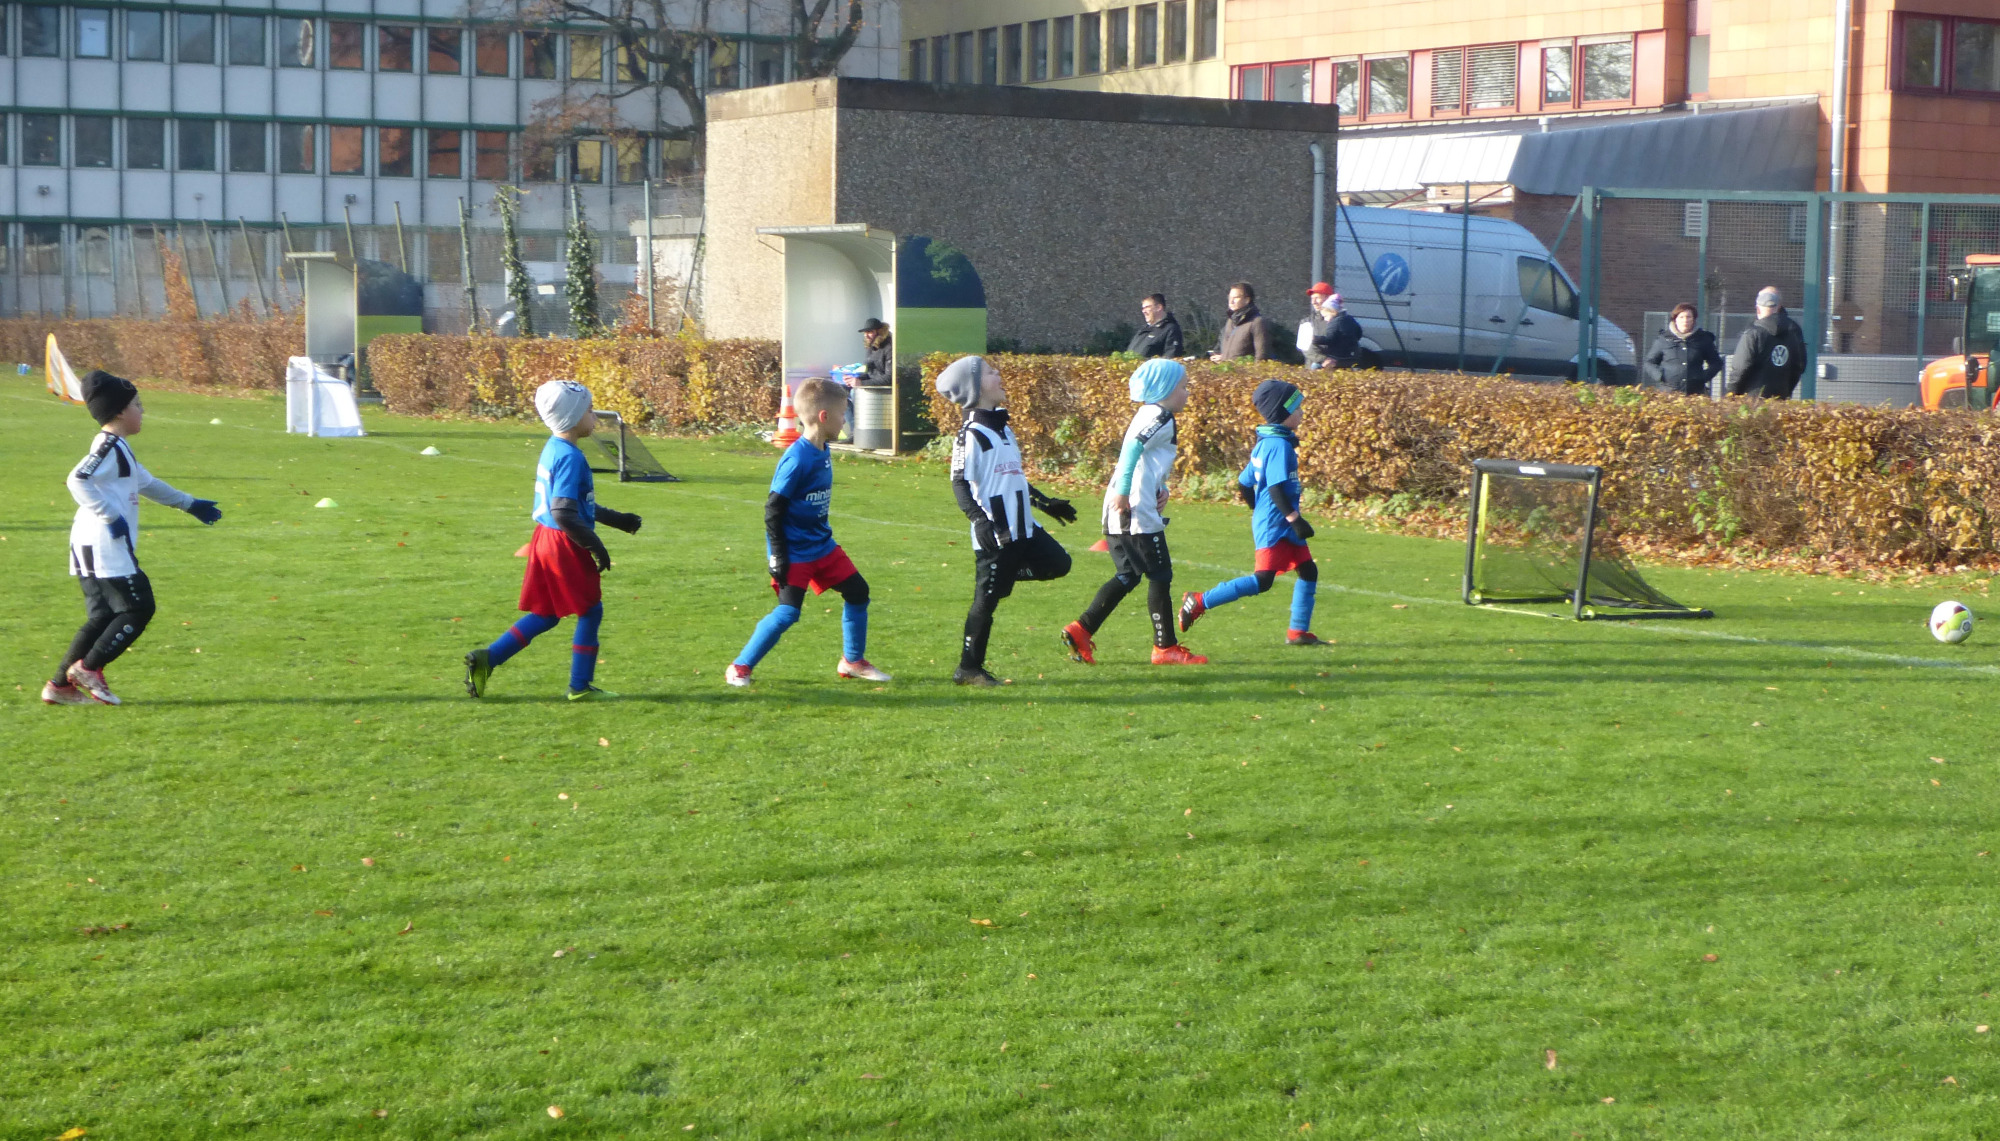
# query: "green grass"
(1365, 887)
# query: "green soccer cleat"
(592, 693)
(478, 668)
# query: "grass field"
(1734, 874)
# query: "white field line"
(1683, 631)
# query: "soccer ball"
(1951, 622)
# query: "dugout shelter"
(350, 302)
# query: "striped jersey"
(985, 456)
(1144, 462)
(107, 486)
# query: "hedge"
(663, 384)
(238, 352)
(1834, 485)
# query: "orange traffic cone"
(788, 423)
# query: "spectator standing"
(1684, 357)
(1331, 337)
(1245, 333)
(1771, 355)
(1161, 335)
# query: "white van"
(1416, 258)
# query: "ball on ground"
(1951, 622)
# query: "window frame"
(1145, 48)
(384, 35)
(76, 16)
(334, 29)
(1581, 69)
(1062, 47)
(290, 59)
(160, 33)
(1207, 30)
(482, 38)
(59, 22)
(255, 132)
(1174, 48)
(482, 150)
(1117, 39)
(1037, 69)
(1013, 54)
(406, 167)
(1090, 43)
(182, 150)
(229, 27)
(432, 151)
(335, 135)
(307, 134)
(159, 125)
(430, 52)
(1947, 84)
(916, 63)
(181, 37)
(110, 140)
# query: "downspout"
(1319, 211)
(1836, 169)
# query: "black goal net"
(629, 458)
(1533, 538)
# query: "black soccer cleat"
(978, 679)
(478, 667)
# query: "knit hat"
(960, 380)
(1276, 399)
(562, 404)
(106, 395)
(1155, 380)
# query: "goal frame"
(622, 471)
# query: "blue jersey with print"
(805, 478)
(1274, 462)
(563, 473)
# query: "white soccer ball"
(1951, 622)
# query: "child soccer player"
(1134, 529)
(1270, 486)
(565, 556)
(993, 491)
(103, 542)
(799, 541)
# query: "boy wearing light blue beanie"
(1134, 530)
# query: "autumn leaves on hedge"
(235, 352)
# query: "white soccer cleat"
(738, 676)
(92, 682)
(53, 694)
(860, 670)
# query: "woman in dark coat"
(1683, 358)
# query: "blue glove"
(205, 510)
(119, 529)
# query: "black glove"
(618, 519)
(1056, 509)
(119, 528)
(601, 557)
(205, 510)
(986, 538)
(1301, 530)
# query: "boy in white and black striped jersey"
(103, 554)
(993, 491)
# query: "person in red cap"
(1330, 337)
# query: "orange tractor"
(1966, 380)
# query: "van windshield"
(1543, 287)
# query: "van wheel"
(1367, 358)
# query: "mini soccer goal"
(1533, 538)
(629, 459)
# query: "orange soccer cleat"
(1177, 656)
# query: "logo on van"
(1391, 273)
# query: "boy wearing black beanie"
(103, 551)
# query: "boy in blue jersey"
(1269, 484)
(799, 540)
(565, 556)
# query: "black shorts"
(1141, 556)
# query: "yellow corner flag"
(62, 379)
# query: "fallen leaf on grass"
(555, 1111)
(1551, 1063)
(562, 796)
(367, 861)
(982, 923)
(1937, 760)
(1709, 958)
(408, 927)
(1399, 606)
(1934, 781)
(561, 952)
(72, 1134)
(871, 1077)
(381, 1113)
(1610, 1100)
(322, 913)
(604, 742)
(1308, 1126)
(1949, 1080)
(298, 867)
(1981, 1029)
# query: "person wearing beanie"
(103, 542)
(566, 559)
(1770, 356)
(1269, 484)
(1134, 530)
(992, 488)
(1330, 337)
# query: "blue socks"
(583, 647)
(766, 635)
(1235, 588)
(518, 636)
(1303, 593)
(854, 631)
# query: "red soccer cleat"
(1081, 648)
(1191, 609)
(738, 676)
(1303, 638)
(860, 670)
(92, 682)
(1177, 656)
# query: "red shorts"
(822, 574)
(561, 580)
(1287, 555)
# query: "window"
(344, 45)
(1607, 72)
(444, 51)
(394, 152)
(90, 140)
(146, 144)
(631, 160)
(1011, 55)
(724, 68)
(962, 57)
(41, 140)
(246, 148)
(1207, 28)
(1065, 47)
(1038, 50)
(246, 41)
(93, 35)
(586, 161)
(1250, 83)
(296, 153)
(296, 46)
(41, 33)
(1923, 52)
(393, 48)
(1347, 87)
(631, 62)
(538, 56)
(766, 62)
(1447, 80)
(586, 57)
(145, 35)
(446, 154)
(1558, 75)
(1090, 39)
(490, 155)
(920, 50)
(346, 150)
(489, 52)
(941, 59)
(194, 144)
(1389, 85)
(989, 55)
(1975, 56)
(1543, 287)
(1145, 35)
(1117, 34)
(1697, 65)
(1492, 76)
(194, 42)
(1291, 83)
(1177, 31)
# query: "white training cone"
(216, 421)
(326, 503)
(430, 451)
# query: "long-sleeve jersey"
(1274, 465)
(107, 485)
(804, 481)
(1145, 461)
(987, 477)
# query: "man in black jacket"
(1771, 355)
(880, 360)
(1161, 336)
